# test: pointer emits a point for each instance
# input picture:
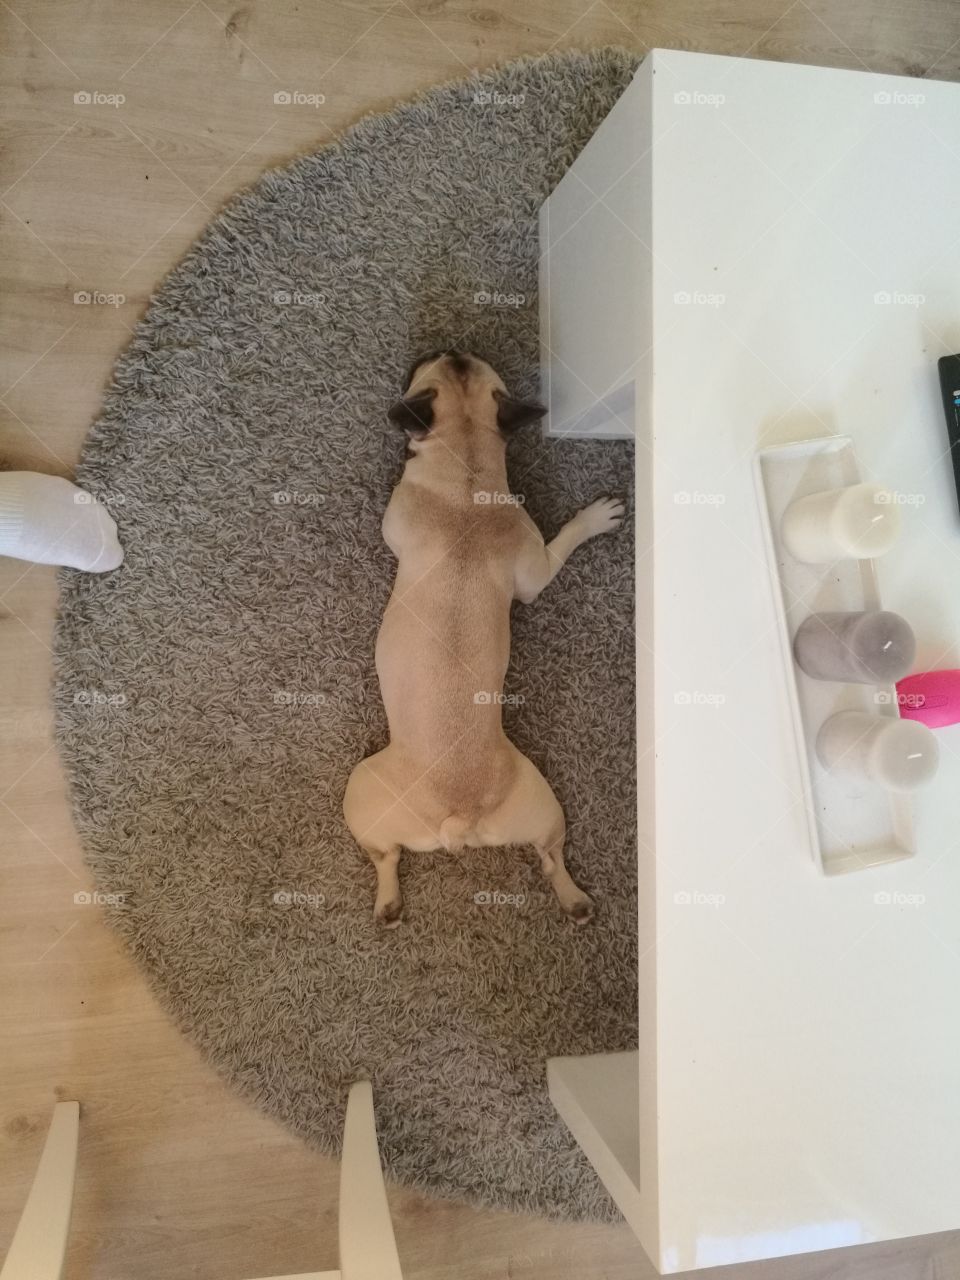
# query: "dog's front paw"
(389, 914)
(602, 516)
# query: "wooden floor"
(177, 1176)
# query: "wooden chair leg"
(39, 1245)
(368, 1250)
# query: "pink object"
(932, 697)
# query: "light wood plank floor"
(177, 1176)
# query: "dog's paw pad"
(390, 915)
(582, 912)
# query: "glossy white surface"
(800, 1030)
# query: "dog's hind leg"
(531, 814)
(388, 907)
(370, 810)
(577, 905)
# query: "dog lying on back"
(450, 778)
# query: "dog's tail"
(453, 832)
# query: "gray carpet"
(214, 693)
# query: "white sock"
(48, 520)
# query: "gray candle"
(868, 647)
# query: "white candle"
(857, 522)
(878, 748)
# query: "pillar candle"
(857, 522)
(899, 754)
(867, 647)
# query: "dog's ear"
(512, 414)
(414, 414)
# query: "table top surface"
(806, 278)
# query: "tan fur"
(450, 778)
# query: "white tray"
(852, 825)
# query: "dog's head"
(452, 389)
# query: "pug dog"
(450, 778)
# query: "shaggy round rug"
(214, 692)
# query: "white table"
(749, 253)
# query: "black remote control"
(949, 367)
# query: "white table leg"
(368, 1250)
(40, 1243)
